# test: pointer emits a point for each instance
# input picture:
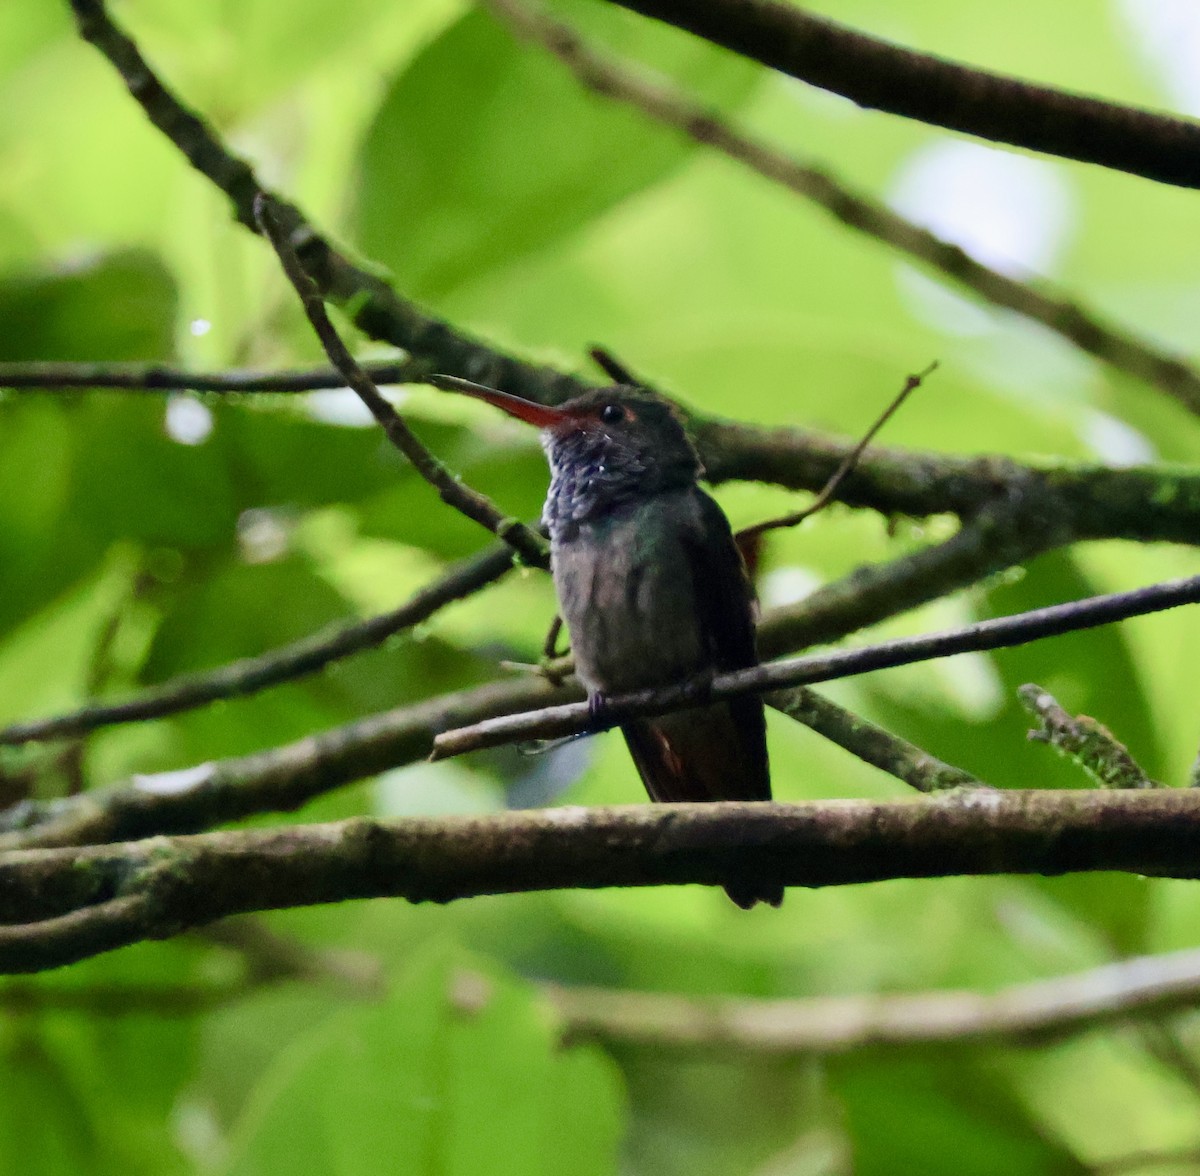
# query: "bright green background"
(501, 197)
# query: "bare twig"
(451, 489)
(250, 675)
(133, 377)
(1114, 345)
(872, 744)
(566, 719)
(826, 494)
(62, 905)
(1084, 741)
(883, 76)
(612, 367)
(1022, 1014)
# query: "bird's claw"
(598, 710)
(699, 688)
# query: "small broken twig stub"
(1084, 741)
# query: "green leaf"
(45, 663)
(234, 58)
(486, 149)
(458, 1073)
(283, 1130)
(942, 1118)
(43, 1127)
(121, 307)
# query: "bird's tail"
(715, 752)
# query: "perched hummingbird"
(652, 588)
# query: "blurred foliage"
(540, 217)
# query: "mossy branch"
(62, 905)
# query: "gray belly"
(626, 592)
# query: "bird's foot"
(698, 689)
(599, 711)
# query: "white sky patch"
(176, 782)
(199, 327)
(187, 420)
(782, 586)
(338, 406)
(1166, 34)
(1012, 213)
(263, 535)
(972, 681)
(1115, 442)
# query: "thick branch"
(570, 718)
(883, 76)
(1147, 504)
(1022, 1014)
(1125, 351)
(284, 778)
(63, 905)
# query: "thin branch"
(63, 905)
(451, 489)
(282, 779)
(827, 492)
(1032, 1013)
(286, 777)
(872, 744)
(612, 367)
(569, 718)
(1084, 741)
(135, 377)
(671, 107)
(250, 675)
(882, 76)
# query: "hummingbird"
(653, 589)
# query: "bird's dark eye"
(610, 414)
